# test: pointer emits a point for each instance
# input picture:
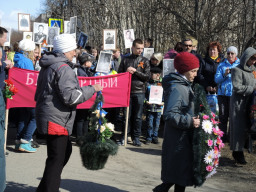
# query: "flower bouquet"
(207, 142)
(96, 145)
(9, 89)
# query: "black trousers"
(59, 149)
(223, 102)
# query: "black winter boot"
(164, 187)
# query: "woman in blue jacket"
(224, 82)
(27, 123)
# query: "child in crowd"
(154, 111)
(82, 115)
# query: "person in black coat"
(177, 150)
(81, 120)
(208, 69)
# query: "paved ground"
(133, 169)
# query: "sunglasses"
(230, 53)
(187, 45)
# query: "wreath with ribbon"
(97, 144)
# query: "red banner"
(116, 89)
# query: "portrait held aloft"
(128, 38)
(73, 23)
(40, 32)
(109, 39)
(23, 22)
(82, 40)
(52, 32)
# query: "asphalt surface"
(133, 169)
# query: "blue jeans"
(27, 123)
(153, 122)
(135, 114)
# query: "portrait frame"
(156, 94)
(73, 24)
(8, 38)
(168, 66)
(82, 40)
(67, 27)
(38, 37)
(109, 39)
(24, 22)
(104, 62)
(25, 34)
(148, 52)
(128, 40)
(49, 38)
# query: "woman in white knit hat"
(27, 123)
(225, 87)
(57, 95)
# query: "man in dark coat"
(139, 67)
(177, 153)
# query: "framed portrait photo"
(52, 32)
(82, 40)
(148, 52)
(8, 38)
(73, 23)
(23, 22)
(28, 35)
(156, 94)
(40, 32)
(168, 66)
(109, 39)
(128, 38)
(67, 27)
(104, 62)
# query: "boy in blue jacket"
(154, 111)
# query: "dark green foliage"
(96, 146)
(95, 153)
(201, 106)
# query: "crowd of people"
(219, 72)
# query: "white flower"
(207, 126)
(208, 158)
(110, 126)
(211, 173)
(102, 128)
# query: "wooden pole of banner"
(40, 46)
(126, 126)
(6, 128)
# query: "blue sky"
(9, 10)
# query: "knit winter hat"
(158, 56)
(155, 70)
(185, 62)
(232, 49)
(85, 57)
(64, 43)
(27, 45)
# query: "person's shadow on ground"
(67, 184)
